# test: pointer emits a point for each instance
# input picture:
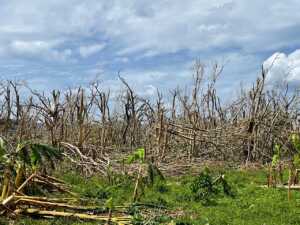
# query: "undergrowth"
(191, 199)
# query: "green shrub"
(203, 188)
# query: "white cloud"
(88, 50)
(41, 49)
(283, 68)
(156, 27)
(201, 25)
(31, 47)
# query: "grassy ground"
(172, 201)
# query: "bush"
(203, 188)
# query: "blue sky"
(62, 43)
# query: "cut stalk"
(135, 192)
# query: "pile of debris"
(20, 204)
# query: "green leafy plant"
(153, 172)
(202, 187)
(137, 156)
(27, 156)
(205, 187)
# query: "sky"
(151, 43)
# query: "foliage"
(36, 154)
(205, 188)
(29, 154)
(26, 156)
(136, 156)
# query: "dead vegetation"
(19, 204)
(196, 126)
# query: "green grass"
(172, 200)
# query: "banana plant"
(137, 156)
(152, 172)
(27, 156)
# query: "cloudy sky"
(60, 43)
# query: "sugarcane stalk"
(60, 200)
(6, 184)
(19, 176)
(125, 219)
(46, 204)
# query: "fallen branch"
(88, 163)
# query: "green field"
(172, 201)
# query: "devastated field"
(85, 155)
